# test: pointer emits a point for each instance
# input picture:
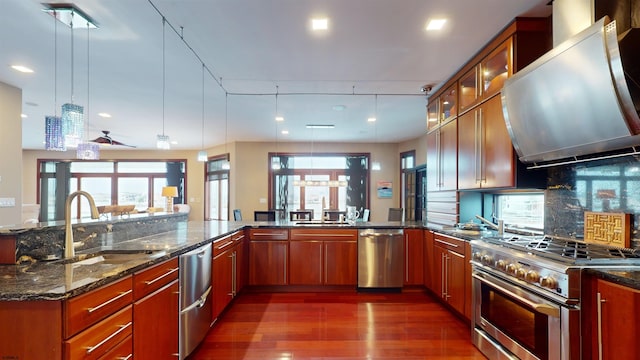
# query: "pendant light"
(54, 138)
(202, 154)
(72, 114)
(226, 165)
(275, 161)
(88, 150)
(163, 141)
(375, 165)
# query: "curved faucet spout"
(69, 251)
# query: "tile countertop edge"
(629, 277)
(46, 281)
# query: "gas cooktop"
(567, 250)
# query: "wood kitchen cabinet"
(429, 264)
(228, 270)
(323, 257)
(268, 256)
(450, 271)
(442, 157)
(413, 257)
(618, 308)
(156, 311)
(486, 158)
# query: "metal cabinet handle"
(443, 291)
(285, 265)
(122, 328)
(90, 310)
(406, 257)
(599, 302)
(125, 357)
(476, 145)
(447, 243)
(171, 271)
(481, 142)
(225, 245)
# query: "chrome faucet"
(68, 238)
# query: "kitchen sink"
(110, 257)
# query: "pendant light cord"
(88, 88)
(202, 144)
(71, 24)
(163, 71)
(55, 64)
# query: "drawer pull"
(225, 245)
(125, 357)
(325, 235)
(149, 282)
(446, 243)
(122, 328)
(90, 310)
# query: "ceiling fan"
(107, 140)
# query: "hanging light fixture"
(226, 165)
(202, 154)
(72, 114)
(54, 137)
(88, 150)
(275, 161)
(375, 165)
(163, 141)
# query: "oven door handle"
(546, 309)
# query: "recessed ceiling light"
(371, 119)
(279, 118)
(436, 24)
(104, 115)
(21, 68)
(319, 24)
(173, 142)
(285, 132)
(320, 126)
(30, 103)
(24, 116)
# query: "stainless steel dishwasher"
(195, 298)
(380, 258)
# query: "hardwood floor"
(282, 326)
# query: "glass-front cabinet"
(496, 68)
(469, 90)
(433, 120)
(449, 103)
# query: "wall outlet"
(7, 202)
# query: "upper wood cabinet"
(442, 153)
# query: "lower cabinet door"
(155, 319)
(305, 266)
(222, 273)
(341, 263)
(268, 262)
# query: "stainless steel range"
(526, 294)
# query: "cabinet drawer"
(238, 236)
(450, 242)
(85, 310)
(100, 338)
(268, 234)
(324, 234)
(149, 280)
(222, 245)
(122, 351)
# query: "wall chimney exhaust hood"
(576, 100)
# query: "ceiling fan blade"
(107, 140)
(114, 142)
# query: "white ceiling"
(254, 48)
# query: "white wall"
(10, 148)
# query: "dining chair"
(396, 214)
(300, 215)
(268, 215)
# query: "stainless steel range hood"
(575, 100)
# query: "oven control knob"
(477, 256)
(532, 276)
(548, 282)
(511, 268)
(501, 264)
(520, 273)
(486, 259)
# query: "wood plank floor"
(283, 326)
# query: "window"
(522, 210)
(413, 211)
(323, 181)
(119, 182)
(217, 189)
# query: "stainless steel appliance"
(195, 298)
(380, 258)
(526, 294)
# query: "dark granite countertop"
(55, 280)
(625, 276)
